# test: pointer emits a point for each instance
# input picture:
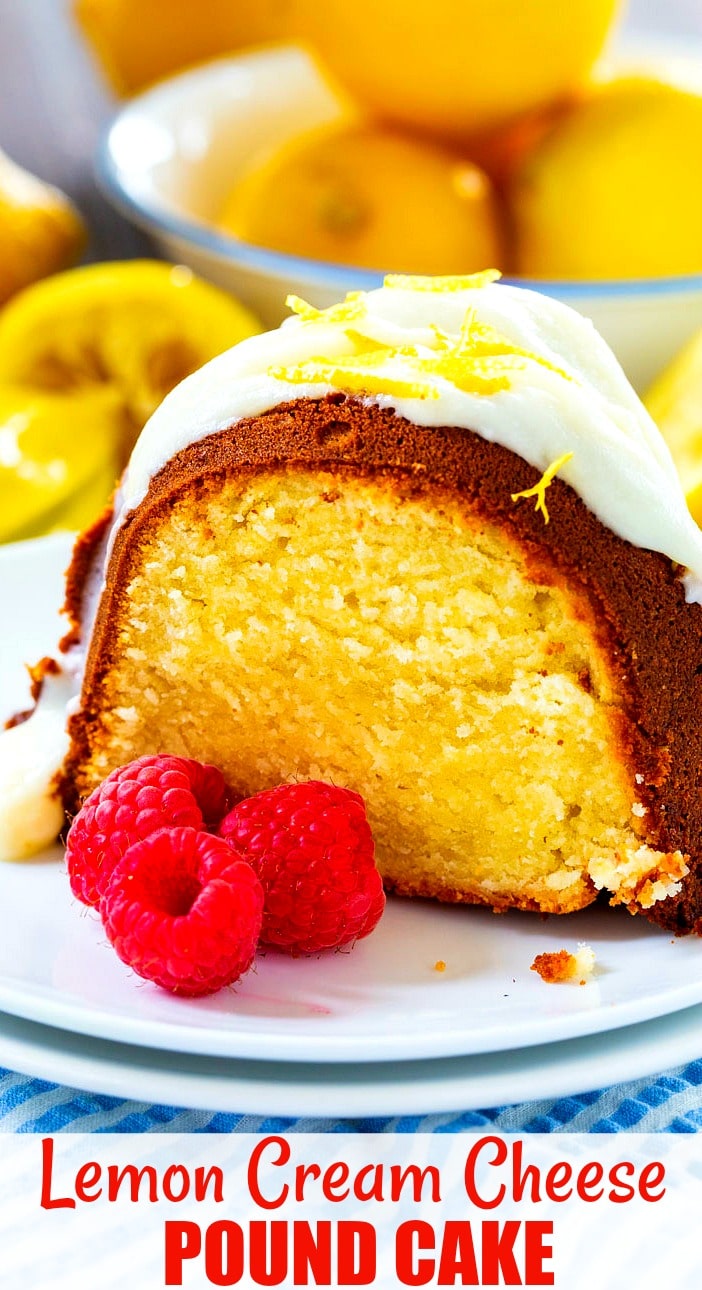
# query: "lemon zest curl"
(447, 282)
(354, 376)
(351, 309)
(539, 489)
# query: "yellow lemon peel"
(480, 360)
(351, 309)
(539, 490)
(356, 377)
(445, 282)
(473, 374)
(482, 338)
(477, 337)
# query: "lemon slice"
(675, 403)
(134, 328)
(59, 459)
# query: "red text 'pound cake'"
(427, 544)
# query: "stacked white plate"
(379, 1030)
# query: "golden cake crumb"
(560, 965)
(421, 652)
(439, 966)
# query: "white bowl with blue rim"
(173, 154)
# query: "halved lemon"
(134, 328)
(59, 459)
(675, 403)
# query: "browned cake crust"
(652, 637)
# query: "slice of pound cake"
(427, 544)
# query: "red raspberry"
(184, 911)
(312, 848)
(150, 793)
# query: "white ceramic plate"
(384, 1000)
(350, 1090)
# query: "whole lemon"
(141, 41)
(457, 67)
(40, 229)
(614, 190)
(366, 195)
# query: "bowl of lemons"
(441, 141)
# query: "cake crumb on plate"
(560, 965)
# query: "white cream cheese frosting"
(31, 754)
(514, 366)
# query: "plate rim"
(433, 1086)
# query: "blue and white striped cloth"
(670, 1103)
